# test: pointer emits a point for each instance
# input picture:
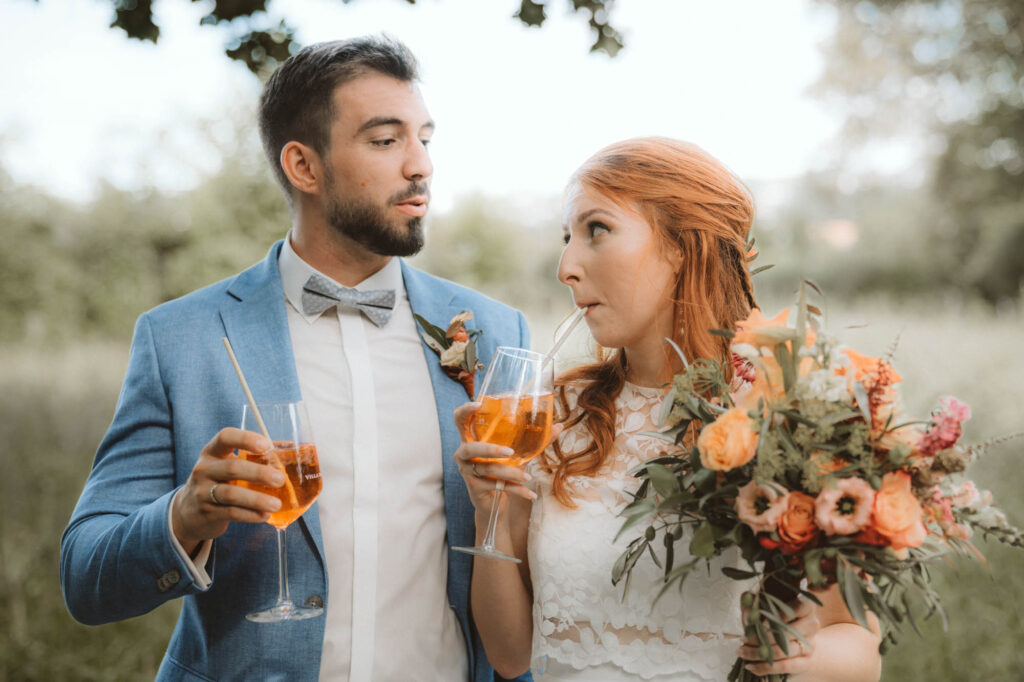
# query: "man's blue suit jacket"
(117, 560)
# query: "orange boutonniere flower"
(456, 346)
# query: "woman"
(655, 234)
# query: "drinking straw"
(573, 321)
(259, 420)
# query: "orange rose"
(897, 513)
(796, 525)
(728, 442)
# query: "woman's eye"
(597, 228)
(425, 143)
(565, 238)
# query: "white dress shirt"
(374, 419)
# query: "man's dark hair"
(298, 104)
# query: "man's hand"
(197, 516)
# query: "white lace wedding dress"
(583, 628)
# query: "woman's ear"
(303, 167)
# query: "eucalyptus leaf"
(635, 519)
(703, 542)
(785, 358)
(738, 573)
(861, 394)
(850, 589)
(662, 479)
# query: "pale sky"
(517, 108)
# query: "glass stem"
(492, 521)
(282, 569)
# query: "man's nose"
(418, 166)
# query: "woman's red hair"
(701, 213)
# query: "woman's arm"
(500, 593)
(842, 649)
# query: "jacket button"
(315, 601)
(168, 580)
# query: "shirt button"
(315, 601)
(168, 580)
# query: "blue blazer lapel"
(435, 305)
(256, 323)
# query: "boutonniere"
(456, 347)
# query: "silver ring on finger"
(473, 468)
(213, 495)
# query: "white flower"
(453, 355)
(824, 384)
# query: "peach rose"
(728, 442)
(796, 524)
(897, 513)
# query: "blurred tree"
(950, 72)
(261, 43)
(487, 244)
(69, 271)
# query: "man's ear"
(303, 167)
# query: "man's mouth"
(415, 206)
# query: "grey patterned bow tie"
(319, 294)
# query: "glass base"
(487, 552)
(284, 611)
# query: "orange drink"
(302, 468)
(522, 423)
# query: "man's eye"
(425, 143)
(383, 143)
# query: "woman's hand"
(807, 621)
(483, 477)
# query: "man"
(345, 129)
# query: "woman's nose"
(569, 270)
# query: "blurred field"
(54, 407)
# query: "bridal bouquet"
(807, 464)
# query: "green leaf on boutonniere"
(471, 355)
(435, 333)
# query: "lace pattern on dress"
(580, 619)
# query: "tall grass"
(55, 406)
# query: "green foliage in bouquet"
(806, 464)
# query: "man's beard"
(365, 223)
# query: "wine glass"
(294, 454)
(516, 405)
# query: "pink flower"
(760, 506)
(743, 367)
(938, 507)
(956, 409)
(945, 429)
(845, 508)
(964, 495)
